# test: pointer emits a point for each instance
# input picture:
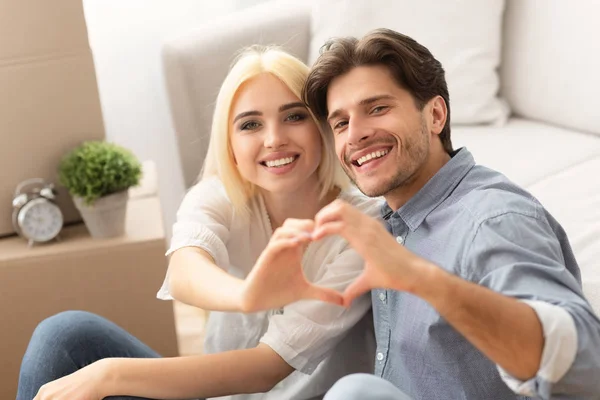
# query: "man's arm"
(525, 255)
(508, 331)
(505, 330)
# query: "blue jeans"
(364, 387)
(67, 342)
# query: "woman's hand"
(387, 263)
(84, 384)
(277, 278)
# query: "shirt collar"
(435, 191)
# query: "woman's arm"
(195, 279)
(234, 372)
(253, 370)
(198, 250)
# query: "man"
(476, 292)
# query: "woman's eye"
(248, 126)
(295, 117)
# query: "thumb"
(325, 294)
(360, 286)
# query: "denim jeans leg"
(364, 387)
(69, 341)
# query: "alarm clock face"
(40, 220)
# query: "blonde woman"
(240, 243)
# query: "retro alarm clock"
(36, 216)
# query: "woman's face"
(275, 142)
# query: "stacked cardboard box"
(49, 103)
(49, 99)
(117, 278)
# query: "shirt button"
(382, 297)
(380, 356)
(399, 239)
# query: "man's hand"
(277, 278)
(387, 263)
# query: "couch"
(544, 133)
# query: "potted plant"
(98, 175)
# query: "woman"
(241, 248)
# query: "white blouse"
(323, 342)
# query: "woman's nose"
(275, 137)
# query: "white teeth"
(280, 162)
(371, 156)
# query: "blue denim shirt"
(475, 223)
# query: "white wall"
(125, 37)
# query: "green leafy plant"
(96, 169)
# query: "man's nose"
(358, 131)
(275, 137)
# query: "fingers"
(283, 243)
(327, 229)
(300, 236)
(325, 294)
(334, 211)
(356, 289)
(306, 225)
(340, 218)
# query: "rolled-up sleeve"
(307, 331)
(203, 221)
(521, 256)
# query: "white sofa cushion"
(573, 197)
(550, 61)
(526, 151)
(560, 168)
(465, 35)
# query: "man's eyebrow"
(363, 102)
(373, 99)
(246, 114)
(334, 114)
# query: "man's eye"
(339, 125)
(378, 109)
(248, 126)
(295, 117)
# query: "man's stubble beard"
(416, 150)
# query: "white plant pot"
(105, 217)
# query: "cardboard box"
(117, 278)
(49, 101)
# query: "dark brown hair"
(411, 64)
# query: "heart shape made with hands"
(278, 279)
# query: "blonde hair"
(253, 61)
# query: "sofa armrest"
(196, 64)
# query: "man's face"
(381, 137)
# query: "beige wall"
(49, 97)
